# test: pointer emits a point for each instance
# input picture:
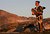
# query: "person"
(38, 11)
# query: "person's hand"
(32, 13)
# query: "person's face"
(36, 4)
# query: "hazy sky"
(23, 7)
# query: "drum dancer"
(38, 11)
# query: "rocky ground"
(9, 22)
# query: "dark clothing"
(38, 15)
(40, 9)
(40, 12)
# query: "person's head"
(37, 3)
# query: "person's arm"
(42, 8)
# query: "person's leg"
(40, 21)
(40, 18)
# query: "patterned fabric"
(38, 11)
